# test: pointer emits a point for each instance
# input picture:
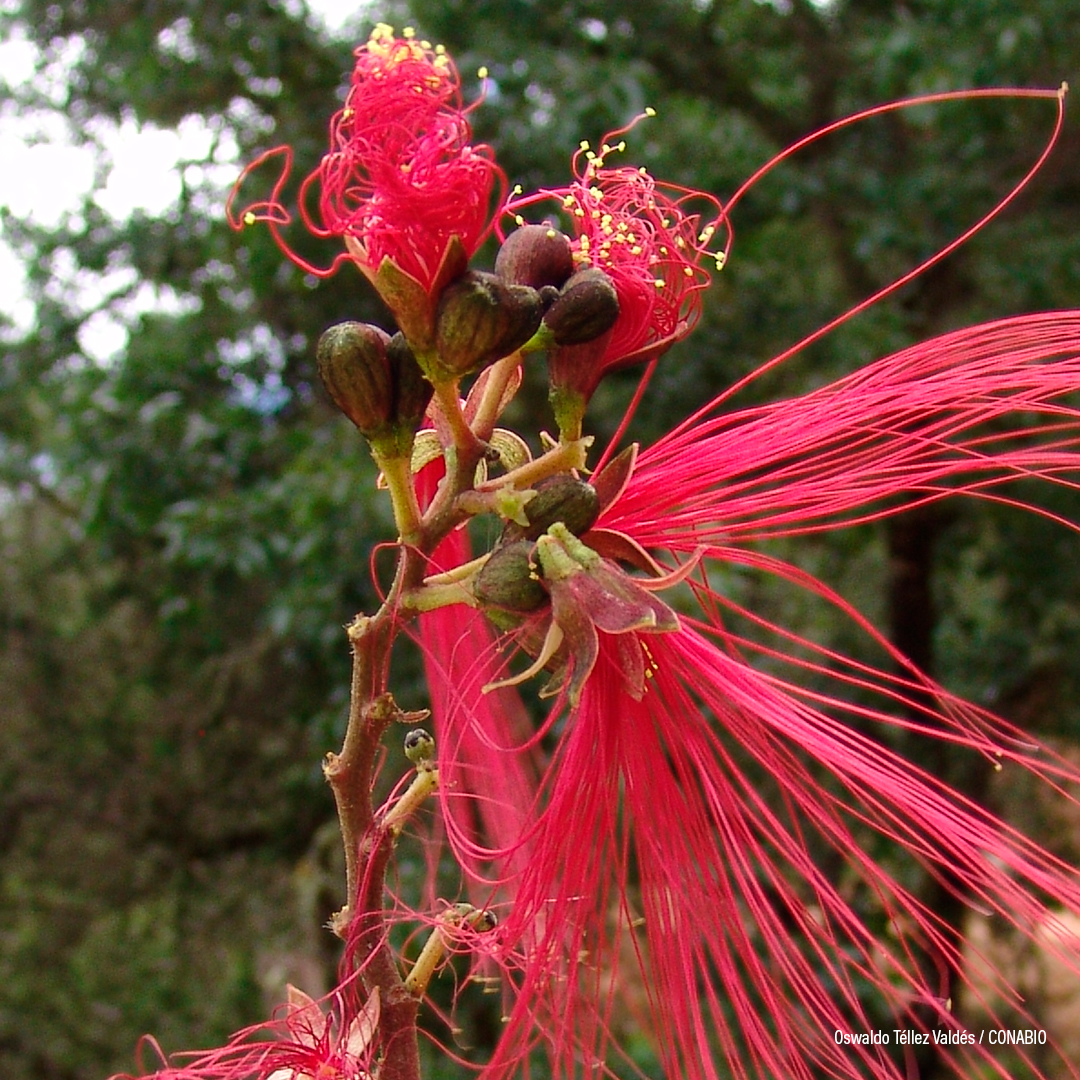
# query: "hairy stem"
(369, 844)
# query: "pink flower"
(716, 838)
(401, 182)
(650, 238)
(310, 1045)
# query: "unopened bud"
(355, 371)
(508, 580)
(535, 255)
(562, 498)
(481, 319)
(412, 391)
(586, 308)
(419, 747)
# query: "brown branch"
(368, 842)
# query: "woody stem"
(369, 843)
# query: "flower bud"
(354, 368)
(508, 580)
(412, 391)
(586, 308)
(562, 498)
(481, 319)
(419, 747)
(535, 255)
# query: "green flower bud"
(536, 255)
(419, 747)
(355, 371)
(481, 319)
(562, 498)
(586, 308)
(508, 580)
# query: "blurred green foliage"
(186, 526)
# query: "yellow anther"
(250, 218)
(589, 155)
(721, 259)
(636, 250)
(621, 146)
(440, 50)
(650, 111)
(425, 44)
(517, 189)
(688, 271)
(596, 193)
(568, 201)
(518, 219)
(408, 32)
(660, 283)
(583, 145)
(482, 72)
(579, 212)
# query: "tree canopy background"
(186, 526)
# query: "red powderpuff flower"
(401, 181)
(650, 238)
(716, 841)
(307, 1044)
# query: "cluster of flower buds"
(580, 300)
(508, 586)
(547, 582)
(636, 247)
(411, 197)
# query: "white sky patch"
(336, 16)
(143, 175)
(46, 178)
